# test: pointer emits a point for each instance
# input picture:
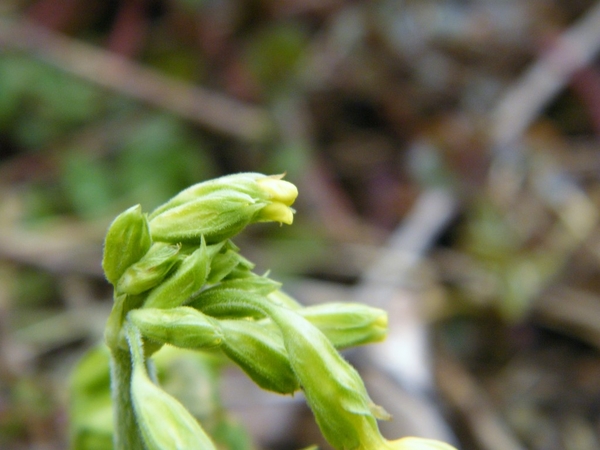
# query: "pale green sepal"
(150, 270)
(182, 327)
(260, 353)
(127, 240)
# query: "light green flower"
(221, 208)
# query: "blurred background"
(447, 157)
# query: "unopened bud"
(182, 327)
(260, 353)
(187, 279)
(150, 270)
(334, 390)
(217, 216)
(348, 324)
(127, 240)
(221, 208)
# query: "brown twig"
(521, 104)
(210, 109)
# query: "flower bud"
(163, 421)
(217, 216)
(127, 240)
(221, 208)
(414, 443)
(187, 279)
(260, 353)
(182, 327)
(241, 182)
(334, 390)
(348, 324)
(150, 270)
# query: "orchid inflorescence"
(179, 280)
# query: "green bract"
(150, 270)
(189, 277)
(127, 240)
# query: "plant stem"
(126, 435)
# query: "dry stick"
(385, 283)
(522, 103)
(207, 108)
(515, 112)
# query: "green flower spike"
(221, 208)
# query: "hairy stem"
(126, 431)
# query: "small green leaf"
(189, 277)
(150, 270)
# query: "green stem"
(126, 431)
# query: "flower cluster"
(179, 280)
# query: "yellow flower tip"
(382, 321)
(278, 190)
(415, 443)
(277, 212)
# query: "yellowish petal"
(278, 190)
(277, 212)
